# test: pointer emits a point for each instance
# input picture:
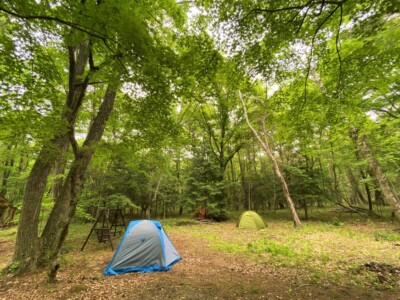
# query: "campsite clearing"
(211, 269)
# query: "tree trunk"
(367, 190)
(267, 199)
(265, 144)
(178, 177)
(56, 228)
(356, 196)
(354, 136)
(27, 246)
(304, 202)
(380, 176)
(58, 173)
(8, 166)
(243, 179)
(250, 177)
(154, 200)
(336, 193)
(285, 188)
(235, 197)
(27, 236)
(23, 162)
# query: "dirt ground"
(203, 273)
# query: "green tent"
(251, 220)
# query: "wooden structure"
(7, 212)
(107, 226)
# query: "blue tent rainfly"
(145, 247)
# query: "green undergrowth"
(390, 236)
(321, 251)
(8, 234)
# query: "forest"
(187, 110)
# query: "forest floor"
(204, 273)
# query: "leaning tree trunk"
(387, 192)
(285, 188)
(56, 228)
(265, 144)
(27, 236)
(27, 246)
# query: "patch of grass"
(8, 234)
(337, 222)
(325, 257)
(170, 223)
(67, 259)
(77, 234)
(186, 223)
(254, 289)
(387, 236)
(220, 244)
(13, 267)
(229, 247)
(315, 277)
(210, 236)
(274, 248)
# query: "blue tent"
(145, 247)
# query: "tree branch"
(249, 124)
(76, 26)
(74, 144)
(232, 154)
(312, 52)
(338, 49)
(297, 7)
(213, 140)
(266, 10)
(91, 61)
(388, 113)
(71, 56)
(302, 20)
(58, 20)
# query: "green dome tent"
(251, 220)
